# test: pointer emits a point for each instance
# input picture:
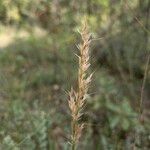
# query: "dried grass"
(78, 98)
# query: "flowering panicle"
(77, 98)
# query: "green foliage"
(41, 126)
(8, 144)
(124, 115)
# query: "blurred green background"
(37, 66)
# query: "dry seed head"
(77, 99)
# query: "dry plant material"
(77, 98)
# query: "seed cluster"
(77, 98)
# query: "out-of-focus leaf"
(125, 124)
(114, 121)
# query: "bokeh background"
(37, 67)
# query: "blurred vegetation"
(38, 66)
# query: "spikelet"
(77, 98)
